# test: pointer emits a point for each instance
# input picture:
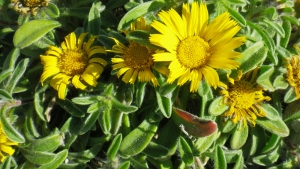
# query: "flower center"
(242, 94)
(33, 3)
(193, 52)
(138, 57)
(73, 62)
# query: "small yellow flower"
(244, 96)
(73, 63)
(136, 61)
(195, 48)
(293, 73)
(5, 145)
(26, 6)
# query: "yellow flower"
(244, 96)
(29, 5)
(293, 73)
(5, 145)
(73, 63)
(136, 61)
(195, 48)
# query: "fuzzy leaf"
(32, 31)
(17, 74)
(37, 157)
(59, 158)
(114, 147)
(275, 126)
(185, 151)
(70, 107)
(217, 107)
(239, 138)
(164, 104)
(220, 162)
(52, 10)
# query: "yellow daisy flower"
(293, 75)
(136, 61)
(195, 48)
(244, 97)
(5, 145)
(73, 63)
(26, 6)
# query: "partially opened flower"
(26, 6)
(195, 47)
(293, 73)
(73, 63)
(5, 145)
(135, 61)
(244, 97)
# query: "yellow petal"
(77, 83)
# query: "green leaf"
(94, 107)
(264, 34)
(17, 74)
(114, 147)
(290, 95)
(275, 126)
(166, 89)
(55, 163)
(266, 159)
(4, 95)
(203, 143)
(271, 112)
(141, 37)
(140, 93)
(111, 4)
(291, 19)
(155, 150)
(236, 15)
(164, 104)
(86, 100)
(38, 105)
(70, 107)
(124, 165)
(217, 107)
(283, 52)
(32, 31)
(11, 59)
(227, 127)
(89, 121)
(52, 10)
(280, 82)
(275, 26)
(264, 78)
(272, 144)
(142, 9)
(138, 139)
(286, 25)
(104, 120)
(185, 151)
(108, 19)
(8, 129)
(29, 125)
(4, 74)
(123, 108)
(192, 124)
(239, 162)
(94, 19)
(87, 155)
(220, 162)
(48, 143)
(239, 138)
(292, 112)
(37, 157)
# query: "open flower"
(195, 48)
(135, 61)
(5, 145)
(26, 6)
(293, 73)
(73, 63)
(244, 96)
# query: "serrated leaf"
(138, 139)
(32, 31)
(239, 138)
(275, 126)
(114, 147)
(267, 39)
(217, 107)
(142, 9)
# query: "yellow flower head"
(293, 73)
(5, 145)
(244, 97)
(26, 6)
(195, 48)
(135, 61)
(73, 63)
